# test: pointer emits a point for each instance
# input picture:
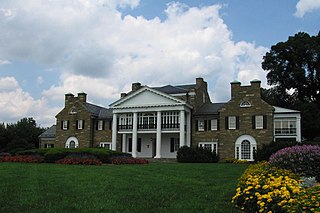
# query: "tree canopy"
(293, 70)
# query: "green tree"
(294, 66)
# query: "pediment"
(146, 97)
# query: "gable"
(146, 97)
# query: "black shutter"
(218, 124)
(226, 121)
(253, 122)
(61, 124)
(265, 122)
(83, 124)
(209, 125)
(97, 122)
(130, 145)
(171, 144)
(237, 122)
(67, 124)
(102, 125)
(139, 145)
(205, 125)
(197, 128)
(110, 125)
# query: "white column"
(134, 134)
(124, 143)
(114, 132)
(188, 129)
(182, 132)
(158, 140)
(298, 129)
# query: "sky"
(100, 47)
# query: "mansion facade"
(154, 122)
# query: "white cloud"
(16, 104)
(101, 52)
(306, 6)
(3, 62)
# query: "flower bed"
(79, 161)
(266, 188)
(304, 160)
(22, 159)
(128, 160)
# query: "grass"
(155, 187)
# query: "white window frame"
(240, 153)
(214, 124)
(200, 125)
(214, 145)
(65, 124)
(245, 104)
(80, 124)
(100, 125)
(259, 121)
(232, 122)
(106, 145)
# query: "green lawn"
(156, 187)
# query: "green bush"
(196, 155)
(266, 150)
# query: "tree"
(294, 66)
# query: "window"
(174, 144)
(65, 125)
(139, 145)
(214, 124)
(232, 122)
(106, 145)
(259, 122)
(212, 146)
(200, 125)
(285, 126)
(245, 150)
(80, 124)
(72, 145)
(244, 104)
(73, 111)
(100, 125)
(48, 145)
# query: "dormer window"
(245, 104)
(73, 111)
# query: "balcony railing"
(285, 131)
(150, 126)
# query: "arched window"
(72, 145)
(245, 104)
(245, 147)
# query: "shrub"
(304, 160)
(22, 159)
(310, 199)
(266, 150)
(79, 161)
(264, 188)
(128, 160)
(196, 155)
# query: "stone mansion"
(153, 122)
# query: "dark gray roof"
(169, 89)
(209, 108)
(49, 133)
(98, 111)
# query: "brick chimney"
(136, 86)
(123, 94)
(199, 81)
(235, 88)
(256, 85)
(82, 97)
(69, 97)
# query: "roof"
(209, 108)
(278, 110)
(98, 111)
(49, 133)
(169, 89)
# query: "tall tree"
(295, 65)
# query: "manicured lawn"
(156, 187)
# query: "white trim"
(72, 139)
(238, 151)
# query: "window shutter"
(171, 144)
(82, 124)
(226, 121)
(130, 145)
(218, 124)
(139, 145)
(209, 125)
(68, 124)
(97, 123)
(205, 125)
(253, 122)
(265, 122)
(197, 128)
(237, 122)
(102, 125)
(62, 124)
(77, 124)
(110, 125)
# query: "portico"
(150, 123)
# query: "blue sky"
(49, 48)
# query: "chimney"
(235, 88)
(256, 87)
(68, 98)
(136, 86)
(82, 97)
(199, 81)
(123, 94)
